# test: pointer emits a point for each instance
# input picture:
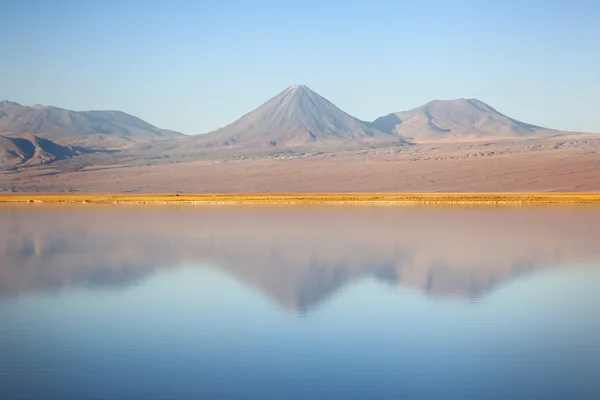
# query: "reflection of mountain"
(297, 256)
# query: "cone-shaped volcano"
(299, 117)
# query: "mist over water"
(299, 302)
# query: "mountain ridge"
(84, 128)
(297, 120)
(457, 118)
(32, 150)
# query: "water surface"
(299, 302)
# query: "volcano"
(298, 117)
(459, 118)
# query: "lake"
(286, 302)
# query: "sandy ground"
(567, 164)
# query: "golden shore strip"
(306, 198)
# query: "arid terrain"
(296, 142)
(519, 165)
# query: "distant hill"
(460, 118)
(297, 118)
(101, 129)
(31, 150)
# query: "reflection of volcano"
(297, 256)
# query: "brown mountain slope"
(31, 150)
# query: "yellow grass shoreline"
(306, 198)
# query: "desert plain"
(514, 165)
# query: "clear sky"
(194, 66)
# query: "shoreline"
(305, 198)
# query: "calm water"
(299, 303)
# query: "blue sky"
(195, 66)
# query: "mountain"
(460, 118)
(102, 129)
(31, 150)
(295, 118)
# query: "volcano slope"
(298, 119)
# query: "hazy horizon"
(197, 66)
